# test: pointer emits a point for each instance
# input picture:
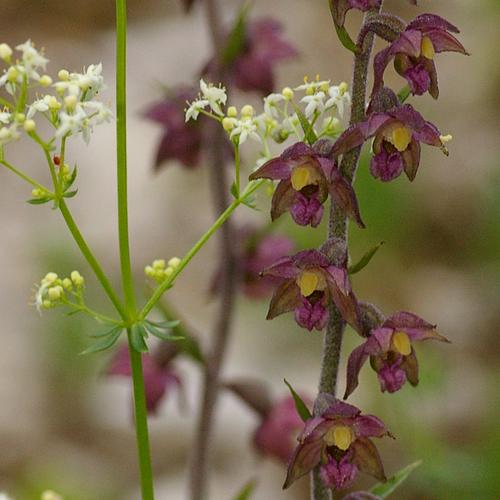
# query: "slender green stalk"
(141, 423)
(251, 188)
(121, 152)
(237, 163)
(92, 261)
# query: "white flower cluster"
(72, 109)
(52, 289)
(323, 106)
(160, 271)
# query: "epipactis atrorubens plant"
(336, 441)
(307, 156)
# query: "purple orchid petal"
(367, 458)
(282, 268)
(338, 475)
(425, 22)
(285, 299)
(369, 426)
(306, 211)
(343, 196)
(283, 198)
(183, 145)
(253, 72)
(340, 409)
(296, 151)
(410, 366)
(409, 42)
(409, 116)
(385, 166)
(310, 258)
(380, 63)
(383, 338)
(311, 315)
(391, 376)
(418, 79)
(405, 319)
(411, 159)
(445, 42)
(356, 361)
(429, 134)
(275, 169)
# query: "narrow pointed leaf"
(236, 40)
(383, 490)
(70, 194)
(234, 191)
(309, 134)
(105, 330)
(39, 201)
(104, 343)
(165, 324)
(72, 178)
(345, 39)
(300, 406)
(365, 260)
(163, 334)
(246, 492)
(137, 338)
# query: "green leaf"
(39, 201)
(164, 324)
(365, 260)
(157, 332)
(246, 492)
(404, 93)
(383, 490)
(137, 338)
(346, 40)
(300, 406)
(72, 178)
(309, 134)
(104, 343)
(70, 194)
(249, 201)
(104, 331)
(236, 39)
(234, 191)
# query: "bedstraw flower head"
(159, 270)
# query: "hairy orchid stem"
(337, 228)
(140, 412)
(216, 351)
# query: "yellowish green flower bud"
(228, 124)
(232, 112)
(20, 117)
(70, 102)
(63, 75)
(29, 125)
(159, 264)
(36, 193)
(12, 74)
(67, 284)
(55, 293)
(287, 93)
(50, 278)
(77, 279)
(174, 262)
(343, 88)
(5, 52)
(47, 304)
(247, 111)
(53, 103)
(45, 81)
(149, 271)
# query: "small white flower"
(32, 59)
(291, 123)
(100, 112)
(194, 109)
(90, 82)
(314, 103)
(243, 130)
(9, 134)
(270, 104)
(214, 95)
(5, 119)
(339, 98)
(72, 123)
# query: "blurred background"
(65, 425)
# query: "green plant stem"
(90, 258)
(141, 423)
(251, 188)
(338, 226)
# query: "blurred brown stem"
(337, 228)
(219, 185)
